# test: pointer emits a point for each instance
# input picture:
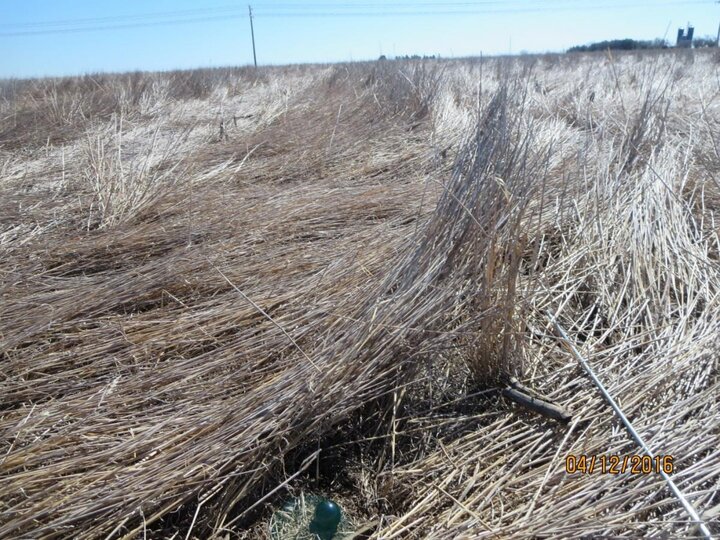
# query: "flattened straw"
(628, 425)
(305, 464)
(268, 317)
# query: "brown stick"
(522, 396)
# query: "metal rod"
(631, 430)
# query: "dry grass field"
(223, 288)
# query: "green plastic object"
(310, 517)
(326, 519)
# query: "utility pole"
(252, 33)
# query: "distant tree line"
(621, 45)
(707, 41)
(635, 44)
(410, 57)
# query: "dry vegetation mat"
(223, 289)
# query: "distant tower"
(684, 39)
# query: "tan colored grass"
(358, 268)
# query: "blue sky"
(315, 30)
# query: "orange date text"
(617, 464)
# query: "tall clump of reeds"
(406, 89)
(124, 183)
(473, 246)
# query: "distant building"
(684, 40)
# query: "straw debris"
(332, 296)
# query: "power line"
(142, 17)
(620, 5)
(121, 26)
(394, 5)
(128, 18)
(361, 10)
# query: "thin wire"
(122, 18)
(303, 5)
(574, 4)
(123, 26)
(620, 5)
(371, 5)
(628, 425)
(144, 17)
(233, 12)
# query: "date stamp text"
(617, 464)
